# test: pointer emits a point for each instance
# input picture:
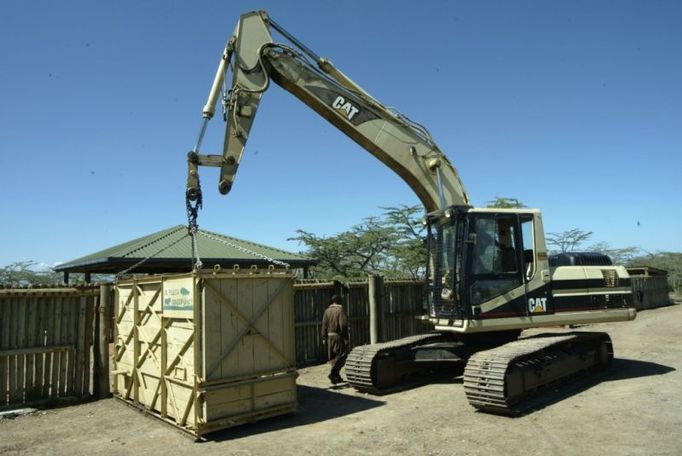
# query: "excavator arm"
(255, 60)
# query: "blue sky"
(574, 107)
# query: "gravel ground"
(633, 408)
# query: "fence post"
(376, 314)
(101, 364)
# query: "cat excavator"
(488, 275)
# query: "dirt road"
(634, 408)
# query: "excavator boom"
(256, 61)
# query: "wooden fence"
(46, 335)
(400, 305)
(45, 341)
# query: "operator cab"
(476, 256)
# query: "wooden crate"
(207, 351)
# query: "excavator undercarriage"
(386, 367)
(496, 379)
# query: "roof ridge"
(168, 232)
(251, 243)
(123, 246)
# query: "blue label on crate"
(177, 299)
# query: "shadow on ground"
(418, 382)
(621, 369)
(321, 404)
(314, 405)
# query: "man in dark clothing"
(335, 334)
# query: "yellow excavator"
(489, 275)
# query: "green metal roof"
(170, 250)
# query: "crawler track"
(378, 367)
(501, 379)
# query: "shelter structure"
(170, 251)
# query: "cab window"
(495, 256)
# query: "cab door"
(538, 290)
(496, 285)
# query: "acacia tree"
(503, 202)
(22, 273)
(391, 245)
(618, 255)
(349, 254)
(567, 241)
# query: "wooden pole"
(102, 322)
(375, 311)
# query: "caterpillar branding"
(346, 106)
(340, 104)
(537, 305)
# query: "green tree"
(407, 256)
(349, 254)
(391, 245)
